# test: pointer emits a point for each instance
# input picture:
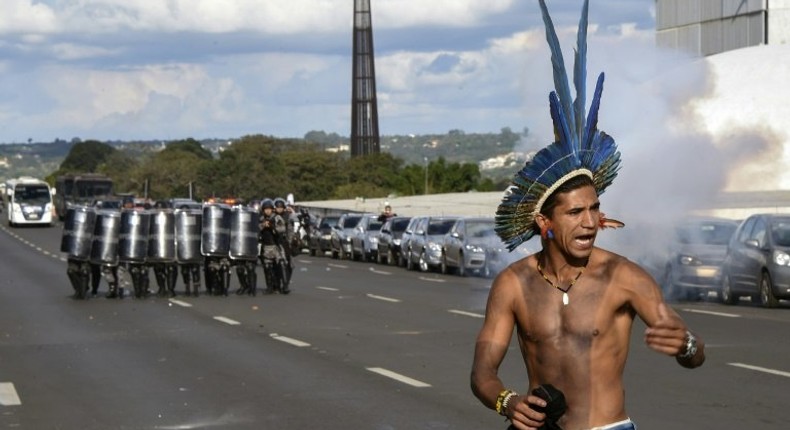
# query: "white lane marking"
(431, 279)
(761, 369)
(180, 303)
(466, 314)
(398, 377)
(719, 314)
(8, 395)
(227, 320)
(327, 288)
(339, 266)
(386, 299)
(289, 340)
(380, 272)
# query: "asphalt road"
(354, 346)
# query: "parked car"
(757, 263)
(341, 235)
(695, 257)
(321, 236)
(464, 247)
(390, 240)
(406, 239)
(365, 239)
(183, 203)
(425, 244)
(107, 203)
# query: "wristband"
(502, 399)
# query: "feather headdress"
(579, 147)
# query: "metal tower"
(364, 110)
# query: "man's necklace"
(565, 299)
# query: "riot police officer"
(281, 210)
(271, 236)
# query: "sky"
(173, 69)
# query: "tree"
(86, 157)
(191, 146)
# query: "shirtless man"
(579, 347)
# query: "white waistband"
(613, 425)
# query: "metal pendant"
(565, 299)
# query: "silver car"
(405, 240)
(341, 235)
(365, 239)
(425, 244)
(696, 257)
(465, 246)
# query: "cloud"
(281, 68)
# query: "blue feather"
(592, 118)
(558, 64)
(562, 132)
(580, 73)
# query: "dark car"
(365, 238)
(425, 244)
(464, 247)
(390, 239)
(757, 264)
(108, 203)
(696, 256)
(341, 235)
(321, 235)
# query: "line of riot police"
(218, 238)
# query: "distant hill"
(493, 152)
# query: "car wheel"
(445, 269)
(487, 272)
(335, 254)
(409, 263)
(379, 258)
(725, 294)
(391, 258)
(424, 263)
(461, 265)
(767, 298)
(313, 252)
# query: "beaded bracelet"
(502, 399)
(506, 401)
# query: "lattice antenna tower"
(364, 109)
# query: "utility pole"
(364, 109)
(425, 161)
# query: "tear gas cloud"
(672, 165)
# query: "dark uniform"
(271, 237)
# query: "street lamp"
(425, 162)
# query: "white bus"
(28, 201)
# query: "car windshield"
(351, 222)
(706, 234)
(328, 222)
(480, 229)
(440, 226)
(374, 225)
(400, 224)
(780, 232)
(32, 194)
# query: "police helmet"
(267, 203)
(279, 202)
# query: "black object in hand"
(555, 405)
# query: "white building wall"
(779, 22)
